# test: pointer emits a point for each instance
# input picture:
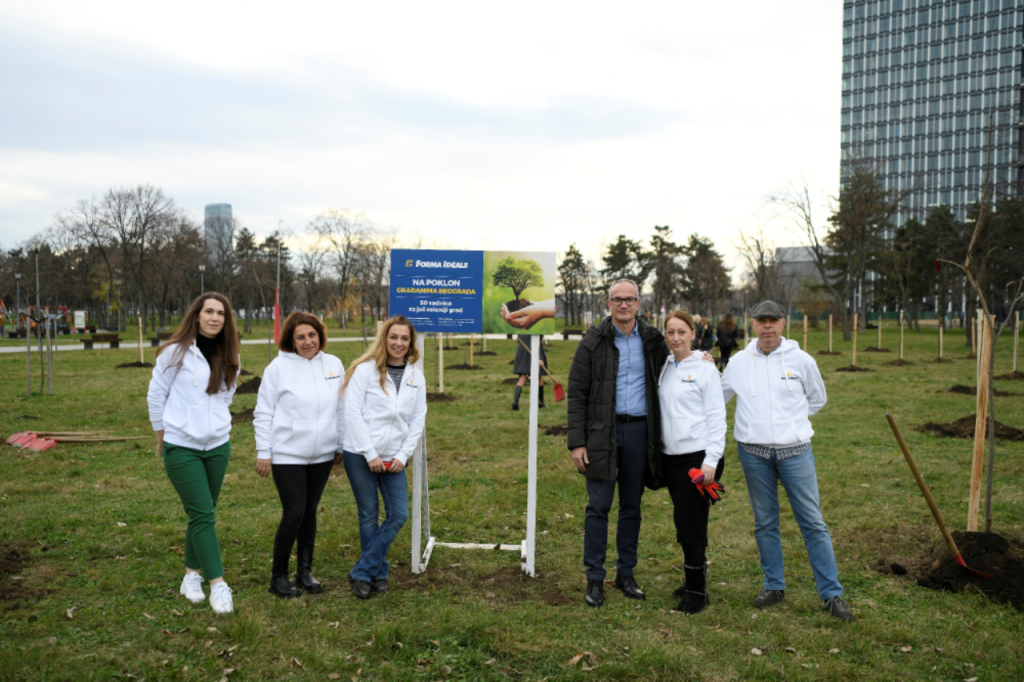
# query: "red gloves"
(712, 492)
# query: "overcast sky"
(465, 124)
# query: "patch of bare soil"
(964, 428)
(942, 360)
(854, 368)
(973, 390)
(464, 366)
(243, 417)
(970, 356)
(899, 362)
(14, 558)
(875, 349)
(251, 386)
(1011, 376)
(451, 348)
(986, 552)
(441, 398)
(134, 364)
(825, 352)
(487, 352)
(515, 304)
(557, 430)
(507, 585)
(29, 416)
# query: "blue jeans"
(801, 483)
(630, 460)
(375, 538)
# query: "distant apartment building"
(218, 231)
(920, 79)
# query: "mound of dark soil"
(854, 368)
(464, 366)
(970, 356)
(898, 363)
(487, 352)
(973, 390)
(515, 380)
(251, 386)
(29, 416)
(245, 373)
(1012, 376)
(134, 364)
(964, 428)
(243, 417)
(452, 348)
(825, 352)
(875, 349)
(557, 430)
(515, 305)
(941, 360)
(440, 398)
(986, 552)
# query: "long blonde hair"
(378, 351)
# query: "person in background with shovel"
(778, 388)
(521, 366)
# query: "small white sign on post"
(80, 320)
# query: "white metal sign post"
(421, 490)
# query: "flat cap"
(767, 309)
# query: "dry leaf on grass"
(576, 659)
(906, 649)
(790, 649)
(489, 662)
(833, 651)
(397, 645)
(446, 670)
(335, 625)
(148, 616)
(213, 630)
(755, 651)
(297, 663)
(70, 613)
(333, 676)
(177, 613)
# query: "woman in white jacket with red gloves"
(299, 422)
(385, 414)
(693, 438)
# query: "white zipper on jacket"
(394, 415)
(785, 373)
(316, 383)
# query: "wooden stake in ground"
(805, 333)
(879, 330)
(1016, 338)
(980, 422)
(853, 360)
(484, 337)
(974, 335)
(471, 340)
(141, 358)
(28, 359)
(901, 335)
(49, 356)
(440, 362)
(830, 333)
(942, 325)
(746, 327)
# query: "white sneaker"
(192, 588)
(220, 598)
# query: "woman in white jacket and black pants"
(693, 437)
(192, 386)
(385, 414)
(299, 422)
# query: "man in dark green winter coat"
(614, 431)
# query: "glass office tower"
(920, 78)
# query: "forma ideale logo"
(408, 263)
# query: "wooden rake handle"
(543, 367)
(924, 488)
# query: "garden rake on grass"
(45, 443)
(931, 503)
(23, 438)
(557, 390)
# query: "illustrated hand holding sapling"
(526, 317)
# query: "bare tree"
(342, 232)
(759, 254)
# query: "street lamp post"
(202, 280)
(17, 299)
(118, 305)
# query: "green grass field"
(91, 547)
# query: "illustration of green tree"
(518, 274)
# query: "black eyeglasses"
(629, 300)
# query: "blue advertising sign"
(439, 291)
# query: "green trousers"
(197, 476)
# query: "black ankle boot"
(515, 400)
(695, 597)
(279, 583)
(303, 575)
(541, 402)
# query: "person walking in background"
(521, 366)
(614, 433)
(385, 413)
(299, 423)
(728, 333)
(698, 331)
(778, 388)
(189, 395)
(693, 438)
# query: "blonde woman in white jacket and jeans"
(192, 386)
(385, 414)
(299, 422)
(693, 437)
(778, 389)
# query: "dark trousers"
(631, 461)
(299, 487)
(723, 360)
(689, 510)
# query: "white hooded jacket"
(776, 395)
(299, 416)
(692, 408)
(386, 425)
(180, 406)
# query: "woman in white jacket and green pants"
(192, 386)
(298, 421)
(693, 438)
(385, 414)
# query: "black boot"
(541, 403)
(303, 576)
(515, 400)
(695, 598)
(279, 583)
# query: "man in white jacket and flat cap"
(778, 388)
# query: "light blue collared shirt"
(631, 384)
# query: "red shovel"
(931, 503)
(41, 444)
(557, 390)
